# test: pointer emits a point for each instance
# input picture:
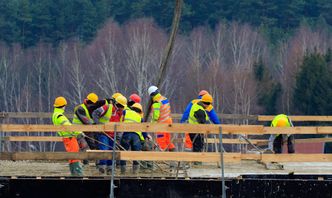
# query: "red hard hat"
(135, 98)
(203, 92)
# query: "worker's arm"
(155, 111)
(97, 113)
(212, 115)
(186, 112)
(82, 116)
(200, 116)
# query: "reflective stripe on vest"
(194, 108)
(165, 110)
(133, 117)
(107, 116)
(76, 120)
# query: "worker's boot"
(76, 169)
(123, 169)
(135, 168)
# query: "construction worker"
(161, 113)
(82, 115)
(213, 117)
(68, 137)
(103, 115)
(198, 115)
(282, 120)
(133, 98)
(132, 139)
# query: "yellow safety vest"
(133, 117)
(76, 120)
(276, 119)
(59, 119)
(194, 108)
(107, 116)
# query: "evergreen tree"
(313, 91)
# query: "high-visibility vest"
(107, 116)
(164, 110)
(59, 119)
(276, 119)
(76, 120)
(194, 108)
(133, 117)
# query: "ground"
(207, 170)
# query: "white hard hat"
(152, 89)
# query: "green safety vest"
(194, 108)
(76, 120)
(276, 119)
(133, 117)
(62, 120)
(107, 116)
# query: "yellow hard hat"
(92, 97)
(115, 95)
(121, 100)
(60, 101)
(207, 98)
(282, 122)
(138, 106)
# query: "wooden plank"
(298, 118)
(55, 155)
(48, 115)
(167, 156)
(172, 128)
(296, 158)
(179, 156)
(33, 138)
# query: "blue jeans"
(130, 140)
(107, 145)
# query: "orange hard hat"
(282, 122)
(203, 92)
(60, 101)
(135, 98)
(207, 98)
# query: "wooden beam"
(179, 156)
(167, 156)
(32, 138)
(296, 158)
(172, 128)
(298, 118)
(55, 155)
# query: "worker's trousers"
(198, 141)
(130, 140)
(279, 142)
(71, 145)
(105, 143)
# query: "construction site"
(244, 169)
(108, 146)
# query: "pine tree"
(313, 91)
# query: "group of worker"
(118, 109)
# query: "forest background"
(253, 56)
